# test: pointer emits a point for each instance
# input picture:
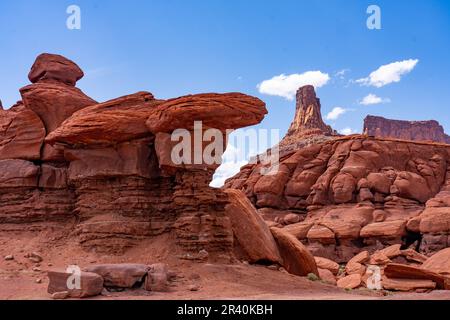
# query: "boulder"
(391, 229)
(296, 257)
(250, 230)
(413, 255)
(412, 186)
(324, 263)
(350, 282)
(355, 268)
(55, 68)
(378, 182)
(346, 221)
(120, 275)
(435, 220)
(360, 258)
(439, 262)
(327, 276)
(392, 251)
(321, 234)
(401, 271)
(407, 284)
(157, 278)
(379, 258)
(91, 284)
(299, 230)
(291, 218)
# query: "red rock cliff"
(405, 130)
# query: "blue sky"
(177, 47)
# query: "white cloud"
(373, 99)
(389, 73)
(286, 86)
(347, 131)
(341, 73)
(336, 113)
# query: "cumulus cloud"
(286, 86)
(389, 73)
(336, 113)
(347, 131)
(373, 99)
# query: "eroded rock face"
(308, 119)
(355, 193)
(22, 134)
(103, 171)
(405, 130)
(330, 183)
(250, 229)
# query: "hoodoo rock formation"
(104, 171)
(348, 194)
(100, 179)
(430, 131)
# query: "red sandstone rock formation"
(308, 118)
(354, 192)
(102, 169)
(406, 130)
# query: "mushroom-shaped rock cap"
(218, 111)
(55, 67)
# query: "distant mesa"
(430, 131)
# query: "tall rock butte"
(308, 117)
(430, 131)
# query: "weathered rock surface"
(22, 134)
(350, 282)
(400, 271)
(296, 257)
(120, 275)
(54, 67)
(250, 230)
(407, 284)
(308, 118)
(91, 284)
(323, 263)
(354, 193)
(157, 279)
(119, 120)
(439, 262)
(217, 111)
(96, 167)
(405, 130)
(54, 102)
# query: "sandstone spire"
(308, 118)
